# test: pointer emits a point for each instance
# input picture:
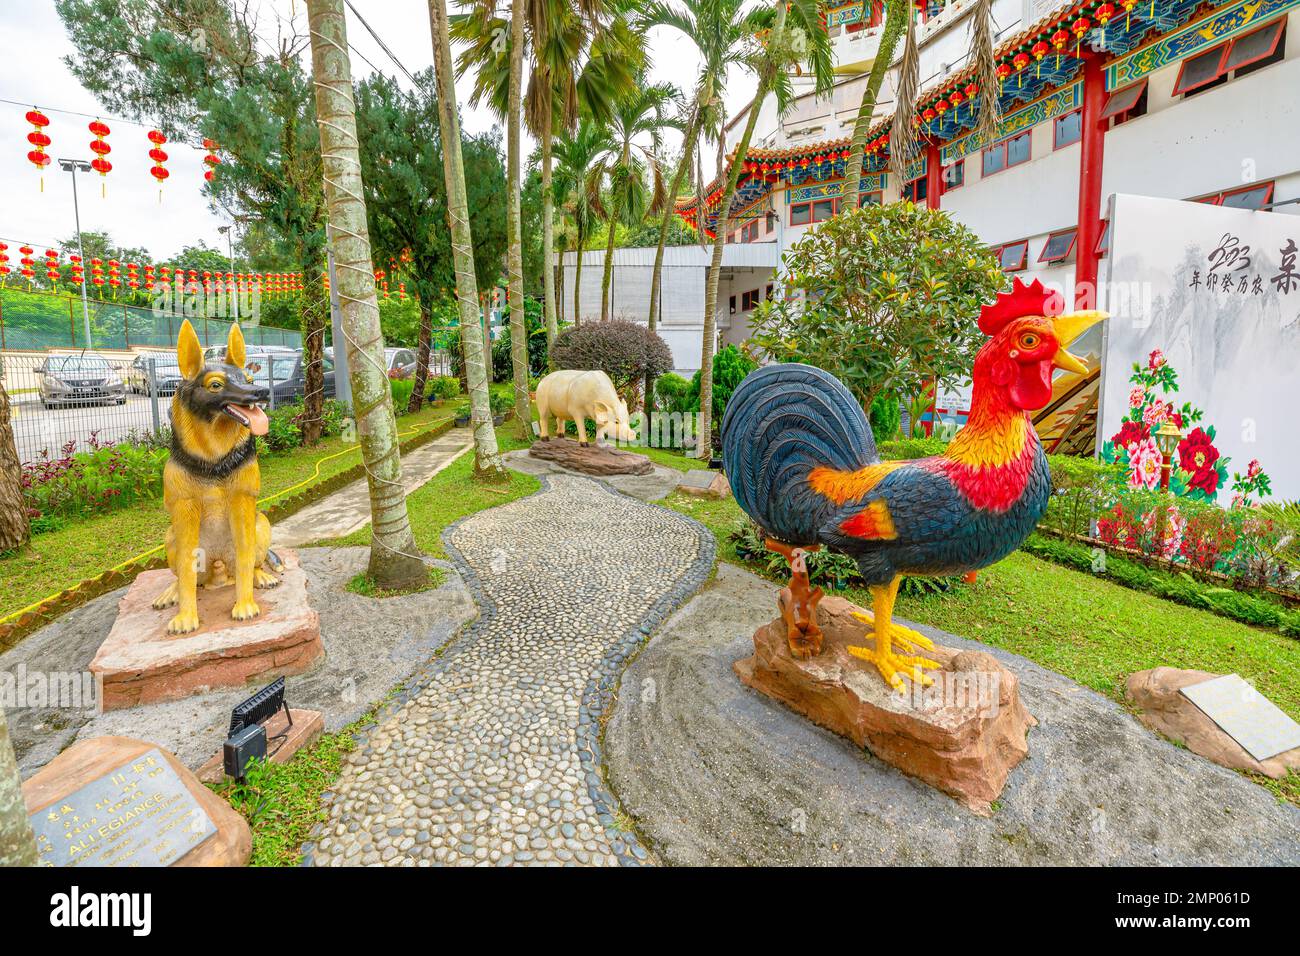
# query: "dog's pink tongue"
(257, 421)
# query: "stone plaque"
(139, 814)
(1245, 715)
(700, 478)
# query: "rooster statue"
(802, 462)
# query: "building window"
(1067, 129)
(915, 191)
(1009, 152)
(749, 300)
(771, 223)
(1243, 55)
(749, 231)
(817, 211)
(1127, 103)
(954, 175)
(1013, 256)
(870, 199)
(732, 303)
(1254, 196)
(768, 293)
(1059, 245)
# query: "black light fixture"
(247, 738)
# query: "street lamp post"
(75, 166)
(1167, 437)
(229, 233)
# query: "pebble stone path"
(492, 757)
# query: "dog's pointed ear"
(235, 346)
(189, 354)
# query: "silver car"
(79, 380)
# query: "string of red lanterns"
(158, 171)
(99, 146)
(39, 140)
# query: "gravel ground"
(715, 773)
(492, 757)
(371, 646)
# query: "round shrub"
(625, 351)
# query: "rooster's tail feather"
(782, 422)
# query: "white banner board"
(1216, 291)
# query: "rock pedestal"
(1157, 695)
(590, 459)
(140, 663)
(962, 736)
(144, 816)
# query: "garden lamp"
(1167, 437)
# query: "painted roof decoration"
(1045, 57)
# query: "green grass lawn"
(84, 549)
(451, 494)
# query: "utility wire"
(382, 45)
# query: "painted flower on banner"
(1145, 462)
(1198, 458)
(1137, 396)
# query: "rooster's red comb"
(1022, 300)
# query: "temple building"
(1177, 99)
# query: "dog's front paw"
(245, 610)
(264, 579)
(167, 598)
(184, 622)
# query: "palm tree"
(575, 153)
(789, 34)
(583, 57)
(720, 31)
(15, 529)
(643, 112)
(897, 14)
(514, 224)
(395, 562)
(487, 454)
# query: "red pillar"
(1091, 152)
(933, 175)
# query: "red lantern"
(1079, 27)
(1104, 13)
(1020, 61)
(1059, 39)
(1128, 11)
(52, 266)
(99, 146)
(1004, 70)
(1039, 50)
(39, 140)
(4, 263)
(158, 171)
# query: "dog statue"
(211, 481)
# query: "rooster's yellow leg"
(893, 666)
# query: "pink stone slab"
(140, 663)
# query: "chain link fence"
(35, 321)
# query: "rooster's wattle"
(802, 462)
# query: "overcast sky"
(33, 45)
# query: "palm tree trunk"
(577, 283)
(615, 214)
(487, 455)
(17, 844)
(896, 14)
(395, 562)
(314, 306)
(656, 276)
(548, 237)
(15, 530)
(514, 227)
(423, 348)
(719, 241)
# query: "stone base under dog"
(140, 663)
(591, 459)
(962, 736)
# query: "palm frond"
(902, 136)
(986, 70)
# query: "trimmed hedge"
(1181, 588)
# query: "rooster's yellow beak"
(1067, 328)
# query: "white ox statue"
(575, 395)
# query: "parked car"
(398, 362)
(217, 353)
(285, 376)
(167, 373)
(79, 379)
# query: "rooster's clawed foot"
(893, 666)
